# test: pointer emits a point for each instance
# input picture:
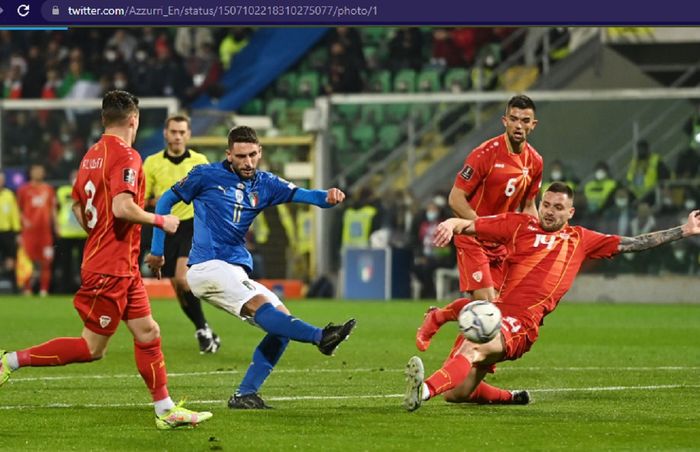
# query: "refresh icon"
(23, 10)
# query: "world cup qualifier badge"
(129, 176)
(467, 172)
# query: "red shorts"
(38, 247)
(103, 300)
(476, 270)
(518, 340)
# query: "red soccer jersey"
(36, 203)
(541, 266)
(110, 167)
(497, 180)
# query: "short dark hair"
(178, 117)
(242, 134)
(561, 187)
(522, 102)
(117, 105)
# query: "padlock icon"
(55, 10)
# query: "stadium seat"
(373, 113)
(339, 138)
(429, 80)
(364, 135)
(375, 36)
(458, 77)
(389, 137)
(276, 108)
(396, 113)
(286, 85)
(347, 112)
(308, 84)
(405, 81)
(380, 82)
(252, 107)
(423, 113)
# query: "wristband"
(159, 221)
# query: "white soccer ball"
(480, 321)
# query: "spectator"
(143, 74)
(643, 223)
(445, 52)
(205, 71)
(352, 43)
(234, 41)
(12, 87)
(360, 219)
(168, 73)
(558, 173)
(645, 171)
(427, 258)
(112, 61)
(191, 41)
(617, 218)
(406, 49)
(343, 76)
(124, 42)
(35, 75)
(599, 191)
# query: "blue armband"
(163, 207)
(313, 197)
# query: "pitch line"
(222, 402)
(295, 371)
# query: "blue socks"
(265, 357)
(278, 323)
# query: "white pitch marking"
(294, 371)
(348, 397)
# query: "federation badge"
(129, 176)
(253, 198)
(525, 171)
(239, 196)
(564, 236)
(105, 320)
(467, 172)
(477, 276)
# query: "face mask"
(431, 215)
(556, 175)
(667, 202)
(689, 204)
(439, 201)
(141, 56)
(600, 174)
(120, 84)
(621, 202)
(110, 55)
(679, 254)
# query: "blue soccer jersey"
(216, 189)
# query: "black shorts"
(177, 245)
(8, 244)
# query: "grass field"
(601, 376)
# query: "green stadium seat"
(364, 135)
(253, 107)
(380, 82)
(373, 113)
(389, 137)
(317, 59)
(347, 112)
(457, 77)
(423, 113)
(375, 36)
(396, 113)
(276, 109)
(405, 81)
(339, 138)
(286, 85)
(429, 80)
(308, 84)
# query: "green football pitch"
(601, 377)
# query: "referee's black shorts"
(177, 245)
(8, 244)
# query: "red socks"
(151, 365)
(56, 352)
(487, 394)
(451, 311)
(452, 373)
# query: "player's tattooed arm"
(651, 240)
(654, 239)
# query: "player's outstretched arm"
(459, 204)
(320, 198)
(653, 239)
(448, 228)
(124, 208)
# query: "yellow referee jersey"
(163, 171)
(9, 212)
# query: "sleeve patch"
(467, 172)
(129, 176)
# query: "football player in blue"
(227, 197)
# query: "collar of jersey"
(176, 160)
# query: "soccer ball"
(480, 321)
